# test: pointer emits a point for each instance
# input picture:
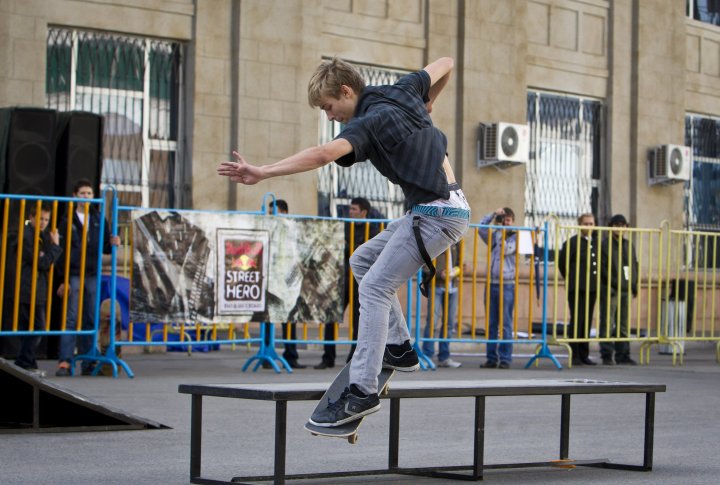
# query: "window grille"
(338, 185)
(563, 170)
(707, 11)
(702, 192)
(135, 84)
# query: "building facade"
(182, 83)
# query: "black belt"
(427, 277)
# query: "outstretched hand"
(240, 171)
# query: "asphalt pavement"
(238, 434)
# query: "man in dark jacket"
(32, 305)
(578, 265)
(619, 280)
(83, 216)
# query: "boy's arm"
(311, 158)
(439, 72)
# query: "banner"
(242, 270)
(213, 267)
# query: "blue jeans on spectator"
(501, 352)
(428, 347)
(84, 342)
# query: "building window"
(702, 211)
(135, 84)
(707, 11)
(338, 185)
(563, 170)
(702, 134)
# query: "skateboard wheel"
(352, 439)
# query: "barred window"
(338, 185)
(135, 84)
(707, 11)
(563, 170)
(702, 210)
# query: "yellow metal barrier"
(690, 292)
(673, 268)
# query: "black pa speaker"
(29, 155)
(79, 151)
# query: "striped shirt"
(392, 128)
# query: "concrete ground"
(238, 435)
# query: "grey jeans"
(381, 266)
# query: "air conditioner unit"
(502, 144)
(669, 164)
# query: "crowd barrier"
(676, 276)
(259, 334)
(677, 289)
(528, 288)
(691, 288)
(16, 227)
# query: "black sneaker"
(626, 361)
(608, 361)
(349, 407)
(400, 359)
(489, 365)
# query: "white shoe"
(449, 363)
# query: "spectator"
(360, 208)
(618, 281)
(578, 265)
(82, 190)
(503, 245)
(48, 253)
(280, 206)
(444, 274)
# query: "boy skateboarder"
(391, 127)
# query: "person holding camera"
(503, 245)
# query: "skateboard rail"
(281, 394)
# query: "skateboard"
(349, 430)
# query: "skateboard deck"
(349, 430)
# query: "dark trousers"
(581, 321)
(29, 344)
(614, 322)
(290, 353)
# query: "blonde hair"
(328, 79)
